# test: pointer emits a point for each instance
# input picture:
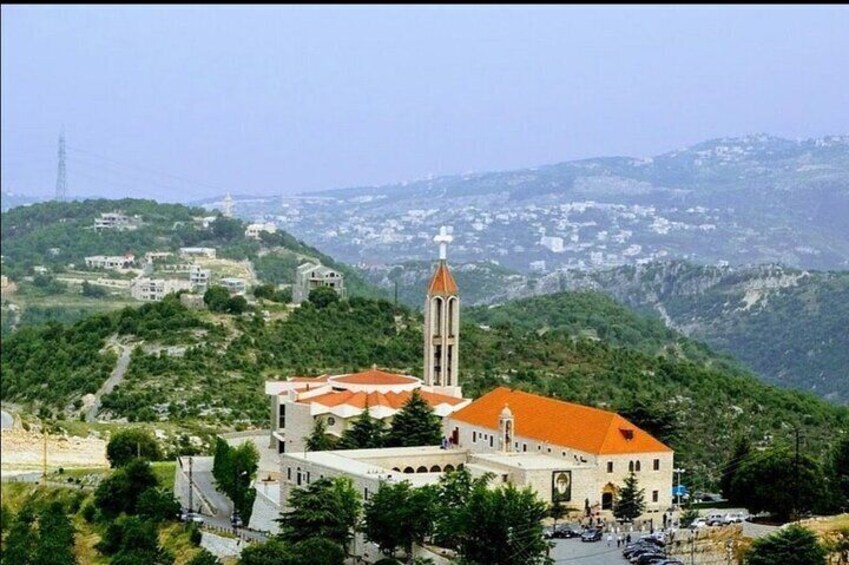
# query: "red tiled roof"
(375, 377)
(395, 400)
(442, 282)
(560, 423)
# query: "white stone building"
(310, 275)
(208, 252)
(115, 262)
(199, 277)
(154, 290)
(234, 285)
(116, 221)
(253, 230)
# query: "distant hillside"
(748, 200)
(579, 347)
(57, 235)
(789, 326)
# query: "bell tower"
(442, 322)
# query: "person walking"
(609, 539)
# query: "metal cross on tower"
(443, 239)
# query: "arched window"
(435, 469)
(421, 469)
(449, 468)
(437, 316)
(409, 470)
(637, 466)
(452, 316)
(396, 469)
(630, 466)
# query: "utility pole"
(44, 454)
(61, 180)
(191, 486)
(796, 477)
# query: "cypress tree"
(365, 432)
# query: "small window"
(654, 496)
(637, 467)
(288, 473)
(610, 466)
(331, 421)
(549, 450)
(365, 493)
(657, 464)
(524, 447)
(308, 477)
(490, 441)
(516, 445)
(630, 466)
(474, 437)
(563, 454)
(539, 448)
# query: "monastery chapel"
(576, 454)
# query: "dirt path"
(114, 379)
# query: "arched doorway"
(608, 496)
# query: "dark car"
(566, 531)
(591, 535)
(649, 558)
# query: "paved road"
(6, 420)
(586, 553)
(114, 379)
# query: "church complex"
(566, 452)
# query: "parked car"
(591, 535)
(715, 519)
(649, 558)
(698, 523)
(567, 531)
(548, 532)
(736, 517)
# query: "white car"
(736, 517)
(699, 523)
(715, 519)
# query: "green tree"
(317, 551)
(839, 471)
(415, 424)
(794, 544)
(237, 305)
(227, 229)
(453, 492)
(157, 505)
(265, 291)
(217, 298)
(18, 547)
(319, 439)
(502, 526)
(364, 432)
(323, 297)
(129, 443)
(204, 557)
(774, 482)
(93, 291)
(328, 508)
(120, 491)
(271, 552)
(234, 468)
(557, 511)
(631, 502)
(133, 541)
(742, 449)
(397, 516)
(55, 542)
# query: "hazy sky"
(177, 103)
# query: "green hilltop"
(581, 347)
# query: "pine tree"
(365, 432)
(631, 501)
(415, 424)
(319, 440)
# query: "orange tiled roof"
(560, 423)
(442, 282)
(395, 400)
(375, 377)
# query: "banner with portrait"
(561, 486)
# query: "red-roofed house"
(603, 447)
